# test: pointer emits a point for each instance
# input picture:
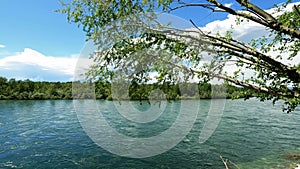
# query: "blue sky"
(33, 24)
(204, 16)
(31, 30)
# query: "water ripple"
(47, 134)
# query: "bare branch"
(197, 27)
(297, 10)
(224, 162)
(234, 164)
(267, 17)
(209, 6)
(279, 67)
(243, 84)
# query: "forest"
(12, 89)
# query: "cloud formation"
(31, 64)
(246, 31)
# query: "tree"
(272, 78)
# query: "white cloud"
(288, 8)
(227, 5)
(245, 32)
(37, 66)
(31, 64)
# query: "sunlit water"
(47, 134)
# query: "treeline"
(28, 90)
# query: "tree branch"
(267, 17)
(268, 21)
(209, 6)
(224, 162)
(277, 66)
(297, 10)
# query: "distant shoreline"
(28, 90)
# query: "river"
(48, 134)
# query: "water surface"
(47, 134)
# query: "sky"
(39, 44)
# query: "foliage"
(272, 78)
(28, 90)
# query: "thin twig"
(209, 6)
(224, 162)
(297, 10)
(234, 164)
(197, 27)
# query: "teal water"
(47, 134)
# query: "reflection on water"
(47, 134)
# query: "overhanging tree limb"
(272, 74)
(268, 20)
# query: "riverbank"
(29, 90)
